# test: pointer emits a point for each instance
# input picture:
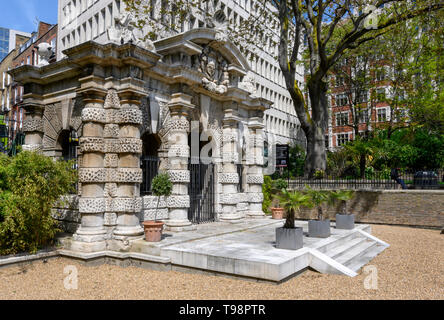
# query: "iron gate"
(150, 168)
(201, 192)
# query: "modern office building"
(85, 20)
(8, 40)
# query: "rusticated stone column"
(91, 235)
(229, 177)
(33, 127)
(126, 148)
(178, 156)
(255, 176)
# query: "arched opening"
(149, 161)
(202, 183)
(67, 143)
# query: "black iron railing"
(201, 191)
(150, 169)
(378, 180)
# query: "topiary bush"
(30, 185)
(161, 186)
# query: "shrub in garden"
(280, 184)
(30, 184)
(267, 190)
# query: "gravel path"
(412, 268)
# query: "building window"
(382, 114)
(380, 94)
(363, 116)
(341, 119)
(361, 96)
(339, 81)
(341, 100)
(380, 75)
(343, 138)
(327, 141)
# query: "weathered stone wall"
(66, 211)
(421, 208)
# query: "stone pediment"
(220, 63)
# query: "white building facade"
(84, 20)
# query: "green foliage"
(318, 198)
(30, 185)
(267, 190)
(341, 196)
(162, 185)
(292, 201)
(280, 184)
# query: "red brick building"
(357, 110)
(27, 55)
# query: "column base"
(179, 225)
(87, 247)
(128, 233)
(232, 218)
(181, 229)
(256, 215)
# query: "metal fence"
(150, 168)
(382, 180)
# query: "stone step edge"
(333, 240)
(375, 251)
(318, 260)
(114, 254)
(266, 223)
(371, 237)
(349, 245)
(28, 258)
(355, 254)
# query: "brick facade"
(419, 208)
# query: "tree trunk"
(316, 153)
(289, 223)
(315, 132)
(362, 163)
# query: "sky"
(22, 14)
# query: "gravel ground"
(412, 268)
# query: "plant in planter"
(290, 237)
(343, 220)
(277, 212)
(161, 187)
(319, 228)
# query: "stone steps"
(356, 252)
(358, 262)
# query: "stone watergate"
(111, 95)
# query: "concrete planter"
(345, 221)
(289, 239)
(319, 229)
(153, 231)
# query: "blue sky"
(21, 14)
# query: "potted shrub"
(344, 220)
(276, 211)
(319, 228)
(289, 237)
(161, 187)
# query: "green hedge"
(30, 184)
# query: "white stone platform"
(248, 250)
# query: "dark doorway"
(149, 162)
(67, 143)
